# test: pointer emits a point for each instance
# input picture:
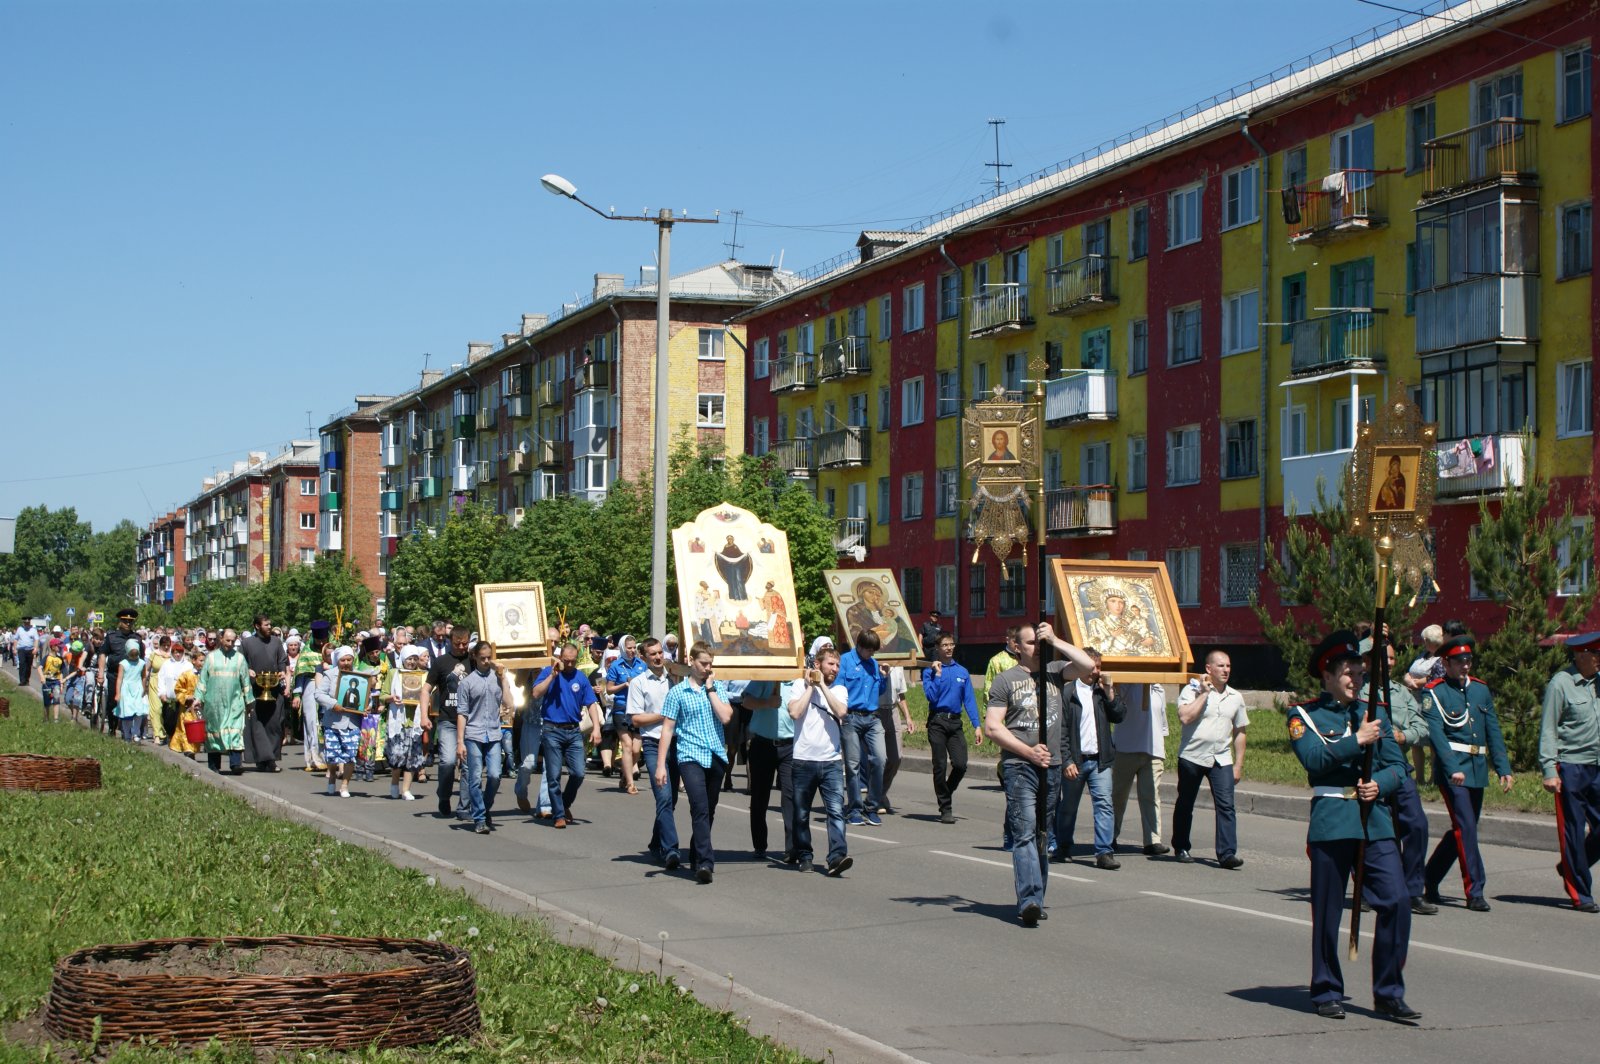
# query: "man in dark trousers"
(268, 660)
(931, 631)
(1092, 706)
(1569, 762)
(112, 650)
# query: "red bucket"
(195, 732)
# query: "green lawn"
(1268, 758)
(158, 854)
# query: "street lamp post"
(663, 220)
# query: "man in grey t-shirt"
(1030, 763)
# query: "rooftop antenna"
(733, 244)
(426, 355)
(997, 164)
(310, 429)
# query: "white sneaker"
(343, 793)
(394, 790)
(408, 796)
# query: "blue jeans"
(1221, 779)
(483, 777)
(1097, 777)
(128, 727)
(809, 778)
(1022, 780)
(563, 746)
(444, 734)
(702, 786)
(532, 739)
(664, 833)
(860, 730)
(507, 760)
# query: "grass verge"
(158, 854)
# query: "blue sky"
(217, 216)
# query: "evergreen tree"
(434, 571)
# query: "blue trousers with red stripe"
(1411, 832)
(1578, 821)
(1465, 805)
(1384, 888)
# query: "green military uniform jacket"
(1322, 733)
(1569, 732)
(1465, 732)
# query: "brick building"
(350, 521)
(160, 561)
(253, 519)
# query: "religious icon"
(353, 691)
(1001, 439)
(735, 567)
(1394, 482)
(870, 599)
(738, 601)
(512, 617)
(1125, 610)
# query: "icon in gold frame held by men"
(870, 598)
(1125, 610)
(736, 589)
(511, 617)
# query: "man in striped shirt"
(696, 711)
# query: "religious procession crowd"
(440, 703)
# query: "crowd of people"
(437, 701)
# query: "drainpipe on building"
(1263, 305)
(961, 382)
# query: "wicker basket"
(5, 706)
(391, 1007)
(35, 772)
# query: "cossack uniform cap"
(1334, 648)
(1456, 647)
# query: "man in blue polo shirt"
(565, 701)
(949, 689)
(863, 679)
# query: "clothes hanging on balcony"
(1467, 457)
(1333, 184)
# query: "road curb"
(1526, 831)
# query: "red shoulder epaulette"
(1433, 683)
(1473, 679)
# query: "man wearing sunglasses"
(1465, 733)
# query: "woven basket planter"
(406, 1006)
(5, 706)
(35, 772)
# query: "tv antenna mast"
(999, 183)
(732, 244)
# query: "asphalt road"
(917, 946)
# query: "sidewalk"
(1528, 831)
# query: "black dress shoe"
(1586, 907)
(1030, 915)
(1231, 862)
(1185, 857)
(1366, 907)
(1477, 905)
(1108, 862)
(1396, 1010)
(1422, 906)
(947, 817)
(1330, 1010)
(1156, 849)
(702, 875)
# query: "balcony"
(430, 439)
(518, 464)
(464, 478)
(329, 538)
(1301, 475)
(844, 357)
(391, 545)
(1502, 151)
(999, 308)
(1481, 465)
(1333, 341)
(414, 491)
(332, 459)
(487, 419)
(488, 471)
(594, 375)
(432, 487)
(793, 373)
(330, 502)
(844, 448)
(464, 425)
(794, 457)
(850, 534)
(1081, 395)
(391, 456)
(519, 407)
(1477, 311)
(589, 441)
(550, 454)
(1083, 285)
(551, 393)
(1345, 202)
(1087, 510)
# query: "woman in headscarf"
(608, 725)
(341, 726)
(133, 701)
(403, 747)
(627, 665)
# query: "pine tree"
(1522, 553)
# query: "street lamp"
(557, 185)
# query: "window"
(830, 497)
(1575, 78)
(1052, 470)
(1574, 401)
(1353, 284)
(1498, 97)
(1238, 573)
(1294, 303)
(763, 359)
(1419, 130)
(949, 295)
(1013, 589)
(1239, 206)
(1575, 556)
(1183, 456)
(308, 487)
(1015, 365)
(1055, 251)
(1094, 463)
(949, 393)
(980, 276)
(805, 338)
(914, 299)
(911, 402)
(945, 494)
(711, 409)
(1183, 566)
(1239, 448)
(911, 497)
(1241, 323)
(1294, 431)
(885, 317)
(911, 588)
(883, 500)
(760, 436)
(1096, 351)
(1096, 238)
(980, 380)
(856, 415)
(1183, 216)
(1183, 335)
(977, 590)
(1343, 430)
(883, 410)
(308, 521)
(1577, 239)
(944, 589)
(1411, 279)
(711, 345)
(1138, 346)
(1139, 232)
(1138, 554)
(1138, 462)
(1294, 167)
(1053, 359)
(1354, 149)
(308, 555)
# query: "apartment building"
(159, 560)
(1219, 299)
(254, 519)
(349, 498)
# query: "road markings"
(1490, 957)
(1004, 864)
(861, 832)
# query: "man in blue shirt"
(628, 665)
(770, 758)
(949, 690)
(565, 700)
(696, 712)
(863, 678)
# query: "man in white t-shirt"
(818, 705)
(1141, 756)
(1211, 749)
(647, 693)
